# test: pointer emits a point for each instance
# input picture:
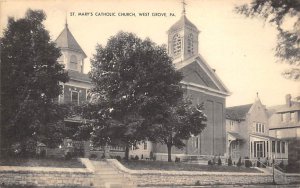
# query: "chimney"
(288, 100)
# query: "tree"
(177, 123)
(132, 79)
(279, 12)
(30, 77)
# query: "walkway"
(107, 176)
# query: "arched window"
(190, 44)
(176, 44)
(73, 62)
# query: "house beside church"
(248, 134)
(284, 124)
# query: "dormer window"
(176, 44)
(73, 62)
(190, 44)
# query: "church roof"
(182, 23)
(237, 112)
(196, 71)
(75, 75)
(66, 40)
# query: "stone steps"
(106, 176)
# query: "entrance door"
(259, 147)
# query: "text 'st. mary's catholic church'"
(200, 82)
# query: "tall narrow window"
(73, 62)
(293, 116)
(190, 44)
(145, 146)
(283, 147)
(273, 146)
(278, 146)
(197, 143)
(176, 44)
(75, 97)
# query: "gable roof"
(66, 40)
(207, 77)
(238, 112)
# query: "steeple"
(72, 54)
(183, 38)
(66, 24)
(66, 40)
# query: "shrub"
(197, 183)
(248, 163)
(258, 162)
(239, 163)
(219, 161)
(136, 158)
(103, 156)
(42, 154)
(93, 156)
(119, 158)
(214, 160)
(177, 160)
(281, 164)
(142, 157)
(151, 155)
(229, 161)
(68, 156)
(264, 164)
(154, 158)
(209, 162)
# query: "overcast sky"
(240, 49)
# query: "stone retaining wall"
(156, 177)
(47, 176)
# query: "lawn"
(163, 165)
(47, 162)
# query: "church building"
(202, 85)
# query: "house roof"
(235, 135)
(237, 112)
(75, 75)
(182, 22)
(265, 136)
(66, 40)
(295, 106)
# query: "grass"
(45, 162)
(163, 165)
(32, 186)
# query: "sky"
(240, 49)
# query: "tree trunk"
(169, 152)
(126, 152)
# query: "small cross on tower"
(183, 7)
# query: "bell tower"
(72, 54)
(183, 38)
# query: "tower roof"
(66, 40)
(181, 23)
